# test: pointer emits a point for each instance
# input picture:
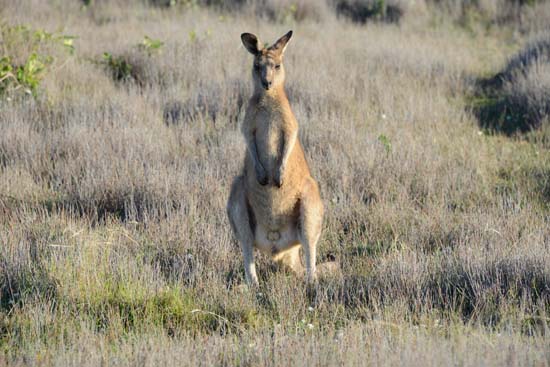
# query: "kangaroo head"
(268, 72)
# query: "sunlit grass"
(114, 243)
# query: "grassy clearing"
(115, 170)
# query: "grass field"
(426, 124)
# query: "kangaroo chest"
(269, 138)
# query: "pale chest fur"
(273, 207)
(269, 138)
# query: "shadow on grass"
(483, 295)
(502, 112)
(118, 206)
(23, 277)
(210, 101)
(516, 99)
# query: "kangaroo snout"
(267, 84)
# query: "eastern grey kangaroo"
(275, 205)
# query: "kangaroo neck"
(273, 95)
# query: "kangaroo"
(275, 205)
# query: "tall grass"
(114, 245)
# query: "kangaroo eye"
(278, 66)
(256, 66)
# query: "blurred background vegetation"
(426, 123)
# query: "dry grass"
(115, 248)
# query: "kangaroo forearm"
(253, 151)
(289, 140)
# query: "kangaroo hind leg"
(290, 259)
(238, 212)
(310, 224)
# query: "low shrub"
(281, 11)
(362, 11)
(467, 12)
(133, 65)
(518, 98)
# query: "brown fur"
(275, 205)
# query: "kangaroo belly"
(271, 208)
(273, 241)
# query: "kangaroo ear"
(251, 42)
(281, 43)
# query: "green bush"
(131, 66)
(23, 71)
(25, 76)
(119, 66)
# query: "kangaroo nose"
(266, 84)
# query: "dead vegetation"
(114, 245)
